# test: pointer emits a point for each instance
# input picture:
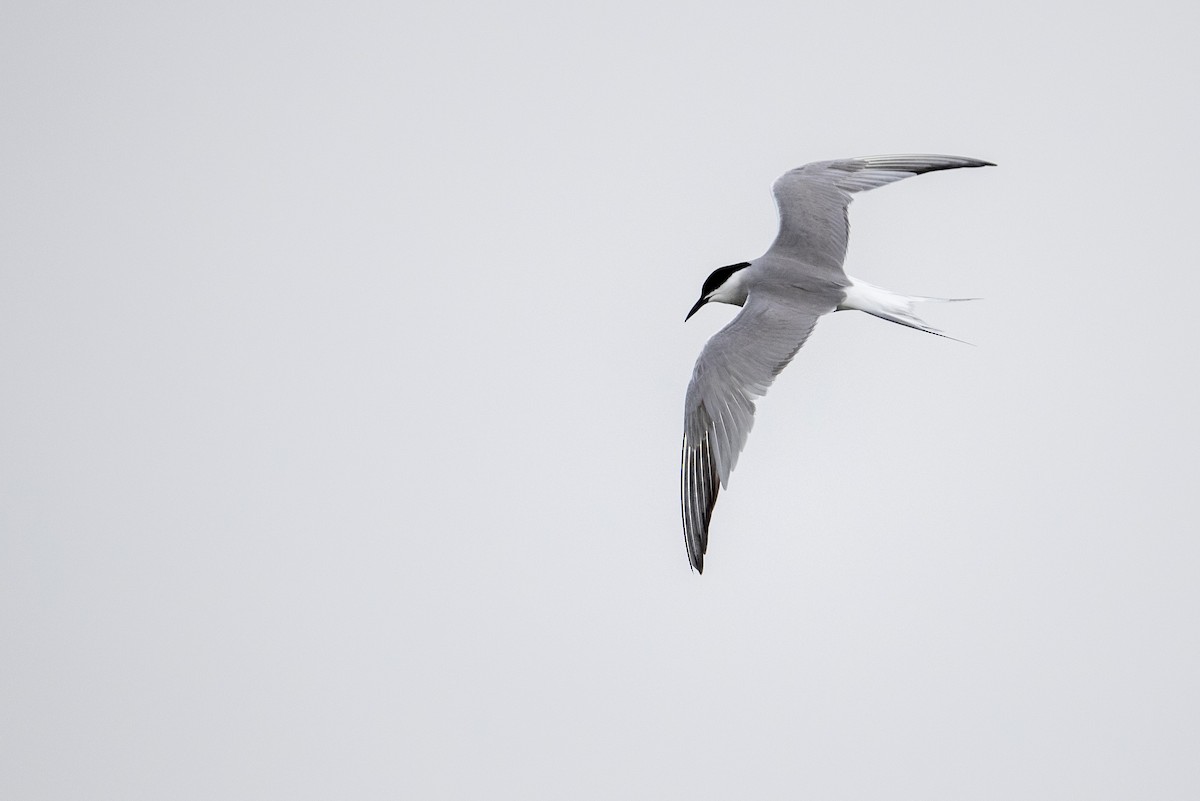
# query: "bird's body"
(782, 294)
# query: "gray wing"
(737, 366)
(813, 200)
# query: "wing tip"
(699, 488)
(923, 162)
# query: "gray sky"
(344, 367)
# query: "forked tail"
(892, 306)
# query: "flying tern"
(782, 294)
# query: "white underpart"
(886, 304)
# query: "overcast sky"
(343, 371)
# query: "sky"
(344, 363)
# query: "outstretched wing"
(813, 200)
(737, 366)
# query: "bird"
(782, 294)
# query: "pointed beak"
(695, 308)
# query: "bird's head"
(724, 285)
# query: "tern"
(782, 294)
